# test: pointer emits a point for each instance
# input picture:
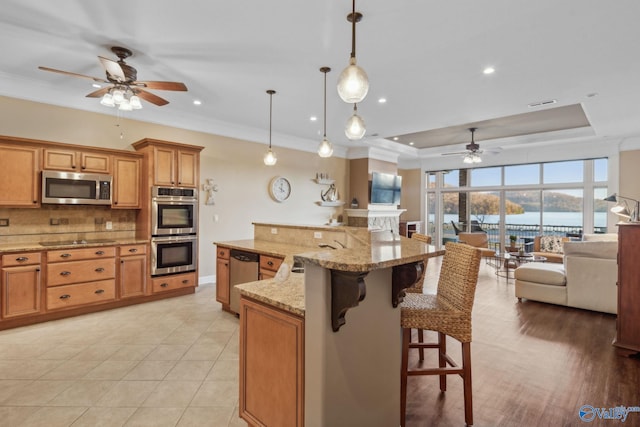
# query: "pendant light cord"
(324, 135)
(270, 92)
(353, 29)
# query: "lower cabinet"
(69, 296)
(271, 366)
(133, 270)
(223, 293)
(269, 266)
(173, 282)
(21, 285)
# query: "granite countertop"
(287, 294)
(264, 247)
(36, 246)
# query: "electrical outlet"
(64, 221)
(4, 222)
(109, 225)
(54, 221)
(317, 234)
(274, 231)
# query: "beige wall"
(360, 175)
(411, 191)
(234, 165)
(629, 181)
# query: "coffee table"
(507, 262)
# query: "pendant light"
(325, 149)
(353, 83)
(355, 129)
(270, 158)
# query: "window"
(561, 172)
(483, 177)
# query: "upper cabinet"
(126, 182)
(19, 173)
(171, 164)
(76, 161)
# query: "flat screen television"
(385, 189)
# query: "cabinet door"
(95, 163)
(187, 168)
(19, 175)
(126, 183)
(271, 346)
(222, 281)
(164, 166)
(133, 276)
(61, 159)
(20, 291)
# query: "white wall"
(236, 167)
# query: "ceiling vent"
(542, 103)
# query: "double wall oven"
(174, 228)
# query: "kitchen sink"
(78, 242)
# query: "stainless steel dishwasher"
(243, 268)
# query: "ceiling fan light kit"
(270, 158)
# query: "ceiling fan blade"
(162, 85)
(98, 93)
(148, 96)
(68, 73)
(457, 153)
(113, 69)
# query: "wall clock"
(280, 188)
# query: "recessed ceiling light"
(395, 138)
(382, 100)
(313, 118)
(489, 70)
(197, 102)
(96, 85)
(411, 143)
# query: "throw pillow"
(551, 244)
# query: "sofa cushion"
(600, 237)
(592, 249)
(536, 272)
(551, 244)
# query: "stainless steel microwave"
(71, 188)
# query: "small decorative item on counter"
(354, 203)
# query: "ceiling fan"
(473, 151)
(125, 91)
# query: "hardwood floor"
(533, 364)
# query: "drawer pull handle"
(100, 253)
(185, 281)
(164, 285)
(133, 250)
(65, 255)
(99, 291)
(22, 259)
(270, 263)
(99, 270)
(65, 273)
(65, 296)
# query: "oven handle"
(174, 239)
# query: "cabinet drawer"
(81, 294)
(270, 263)
(129, 250)
(64, 273)
(11, 260)
(170, 283)
(223, 253)
(84, 253)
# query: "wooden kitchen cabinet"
(77, 277)
(171, 164)
(271, 365)
(19, 176)
(21, 284)
(627, 331)
(76, 161)
(133, 271)
(222, 276)
(126, 183)
(269, 266)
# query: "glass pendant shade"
(353, 83)
(135, 102)
(355, 128)
(125, 105)
(118, 96)
(270, 158)
(107, 100)
(325, 149)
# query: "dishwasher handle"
(244, 256)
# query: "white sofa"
(586, 278)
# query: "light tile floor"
(166, 363)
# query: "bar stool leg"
(406, 339)
(442, 361)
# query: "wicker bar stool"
(419, 285)
(448, 313)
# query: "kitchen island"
(341, 324)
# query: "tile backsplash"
(59, 222)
